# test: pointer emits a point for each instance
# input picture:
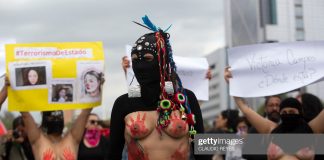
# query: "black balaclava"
(292, 123)
(291, 103)
(147, 72)
(53, 122)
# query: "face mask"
(92, 136)
(291, 120)
(55, 127)
(53, 122)
(146, 71)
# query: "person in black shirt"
(93, 146)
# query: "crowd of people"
(159, 123)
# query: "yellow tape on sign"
(54, 76)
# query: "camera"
(16, 134)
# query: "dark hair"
(243, 119)
(57, 96)
(95, 74)
(68, 96)
(267, 99)
(17, 122)
(39, 72)
(46, 114)
(311, 105)
(231, 116)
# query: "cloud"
(197, 27)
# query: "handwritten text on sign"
(267, 69)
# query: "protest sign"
(275, 68)
(54, 76)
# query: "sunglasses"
(94, 122)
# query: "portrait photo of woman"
(31, 76)
(62, 93)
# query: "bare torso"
(46, 149)
(144, 141)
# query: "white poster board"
(3, 42)
(192, 72)
(275, 68)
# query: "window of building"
(298, 2)
(273, 11)
(299, 23)
(300, 35)
(298, 11)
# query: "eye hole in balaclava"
(145, 60)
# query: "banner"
(275, 68)
(191, 70)
(54, 76)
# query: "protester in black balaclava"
(291, 116)
(146, 68)
(53, 122)
(48, 142)
(292, 120)
(161, 114)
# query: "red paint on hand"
(48, 154)
(68, 154)
(178, 126)
(138, 128)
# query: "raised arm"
(261, 124)
(125, 63)
(78, 126)
(317, 123)
(33, 132)
(4, 92)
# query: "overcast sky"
(197, 28)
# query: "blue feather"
(149, 24)
(168, 28)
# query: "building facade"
(263, 21)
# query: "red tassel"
(191, 120)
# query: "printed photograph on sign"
(62, 93)
(89, 81)
(30, 75)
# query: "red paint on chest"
(68, 154)
(138, 127)
(135, 152)
(48, 154)
(178, 126)
(180, 153)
